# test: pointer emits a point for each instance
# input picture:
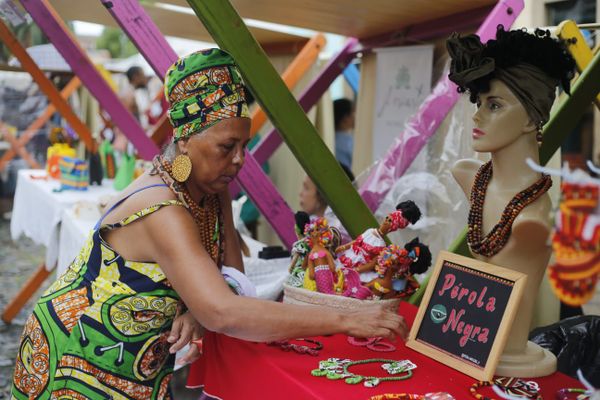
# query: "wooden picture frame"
(472, 339)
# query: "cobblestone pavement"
(18, 260)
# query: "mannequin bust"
(513, 85)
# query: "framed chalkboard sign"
(466, 314)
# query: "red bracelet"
(374, 343)
(285, 345)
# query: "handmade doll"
(300, 250)
(395, 268)
(369, 244)
(320, 274)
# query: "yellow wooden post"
(572, 37)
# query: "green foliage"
(116, 42)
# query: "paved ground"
(18, 260)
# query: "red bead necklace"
(491, 244)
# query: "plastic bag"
(576, 344)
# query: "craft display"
(74, 174)
(395, 268)
(318, 277)
(107, 156)
(370, 243)
(576, 244)
(53, 156)
(336, 368)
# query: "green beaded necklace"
(335, 368)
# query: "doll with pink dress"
(367, 246)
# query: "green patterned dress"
(100, 331)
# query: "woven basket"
(295, 295)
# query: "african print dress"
(100, 331)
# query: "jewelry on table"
(336, 368)
(412, 396)
(374, 343)
(512, 386)
(568, 393)
(285, 345)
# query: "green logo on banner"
(438, 313)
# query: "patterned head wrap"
(202, 89)
(397, 220)
(533, 87)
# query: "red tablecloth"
(236, 369)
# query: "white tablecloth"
(38, 210)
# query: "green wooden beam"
(231, 34)
(563, 120)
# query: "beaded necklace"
(335, 368)
(208, 217)
(491, 244)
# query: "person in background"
(312, 201)
(136, 80)
(343, 115)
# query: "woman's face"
(310, 202)
(217, 154)
(500, 119)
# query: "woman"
(102, 329)
(312, 201)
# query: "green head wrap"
(202, 89)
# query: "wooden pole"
(56, 31)
(31, 286)
(46, 86)
(292, 75)
(39, 122)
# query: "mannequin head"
(513, 78)
(500, 119)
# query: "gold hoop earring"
(182, 168)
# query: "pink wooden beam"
(54, 28)
(334, 68)
(144, 33)
(428, 118)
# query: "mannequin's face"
(500, 119)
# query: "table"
(235, 369)
(38, 211)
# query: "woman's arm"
(176, 246)
(233, 252)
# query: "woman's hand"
(374, 321)
(184, 330)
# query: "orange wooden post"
(31, 286)
(20, 150)
(46, 86)
(39, 122)
(292, 75)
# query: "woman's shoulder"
(464, 172)
(144, 193)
